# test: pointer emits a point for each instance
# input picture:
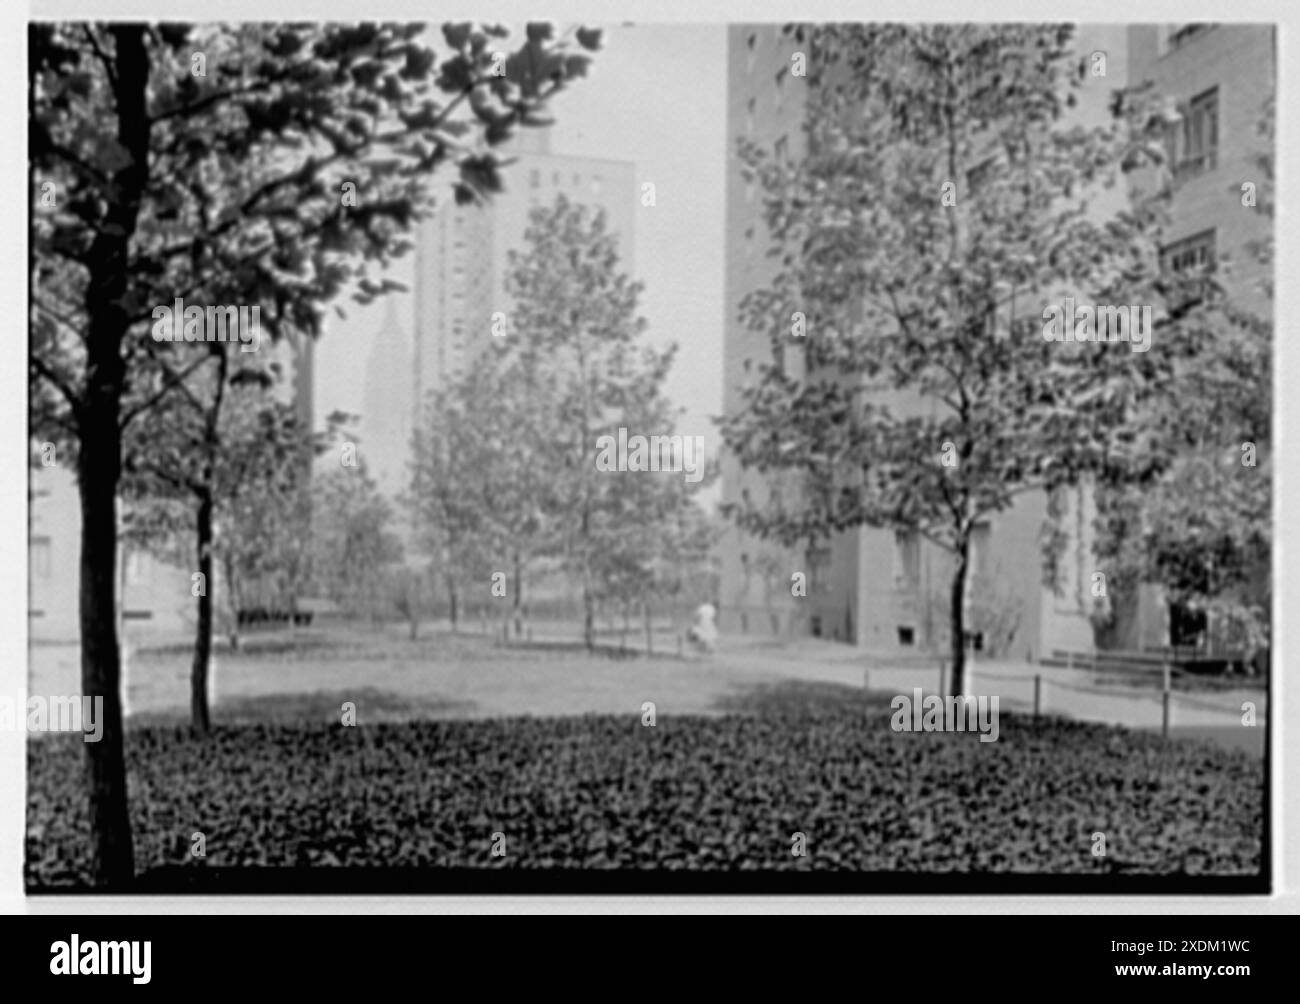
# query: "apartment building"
(765, 105)
(155, 595)
(1217, 81)
(888, 591)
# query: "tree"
(353, 544)
(1199, 522)
(661, 539)
(268, 164)
(226, 451)
(481, 497)
(262, 487)
(943, 204)
(576, 357)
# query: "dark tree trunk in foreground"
(110, 826)
(100, 465)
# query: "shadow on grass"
(600, 650)
(372, 705)
(798, 697)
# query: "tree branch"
(59, 382)
(171, 380)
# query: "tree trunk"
(588, 619)
(454, 607)
(519, 596)
(200, 720)
(957, 622)
(112, 856)
(232, 591)
(100, 463)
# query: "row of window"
(907, 560)
(40, 551)
(1184, 33)
(1191, 142)
(535, 180)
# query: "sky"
(655, 96)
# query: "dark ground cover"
(691, 793)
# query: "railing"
(1151, 665)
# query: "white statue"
(703, 634)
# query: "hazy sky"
(655, 96)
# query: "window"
(136, 567)
(1191, 254)
(40, 557)
(819, 566)
(1194, 141)
(907, 560)
(1190, 259)
(596, 184)
(1184, 33)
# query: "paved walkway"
(1072, 693)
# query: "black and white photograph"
(648, 457)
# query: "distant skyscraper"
(462, 251)
(386, 408)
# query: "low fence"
(1169, 698)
